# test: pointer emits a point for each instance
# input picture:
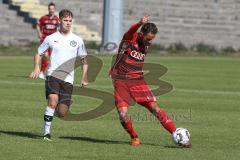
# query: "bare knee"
(53, 100)
(62, 110)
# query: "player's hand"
(35, 73)
(145, 19)
(84, 83)
(40, 35)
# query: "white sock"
(48, 116)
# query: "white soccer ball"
(181, 136)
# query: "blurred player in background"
(128, 80)
(46, 26)
(65, 48)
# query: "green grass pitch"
(205, 100)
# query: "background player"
(46, 26)
(65, 47)
(127, 75)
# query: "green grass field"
(205, 99)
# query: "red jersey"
(130, 58)
(48, 25)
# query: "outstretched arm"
(129, 34)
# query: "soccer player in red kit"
(46, 26)
(128, 80)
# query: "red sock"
(166, 121)
(128, 127)
(44, 64)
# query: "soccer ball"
(181, 136)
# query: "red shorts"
(138, 90)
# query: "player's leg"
(44, 64)
(63, 107)
(142, 94)
(161, 115)
(126, 122)
(49, 113)
(122, 101)
(165, 120)
(64, 99)
(45, 61)
(52, 87)
(61, 110)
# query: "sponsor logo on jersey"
(137, 55)
(50, 26)
(54, 21)
(73, 43)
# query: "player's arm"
(133, 29)
(37, 58)
(39, 31)
(38, 27)
(36, 69)
(82, 53)
(84, 72)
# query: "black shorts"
(61, 88)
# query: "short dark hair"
(51, 4)
(65, 13)
(149, 27)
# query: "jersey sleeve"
(58, 21)
(82, 52)
(133, 29)
(44, 46)
(40, 22)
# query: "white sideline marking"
(105, 87)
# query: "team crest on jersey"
(73, 43)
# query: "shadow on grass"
(21, 134)
(106, 141)
(86, 139)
